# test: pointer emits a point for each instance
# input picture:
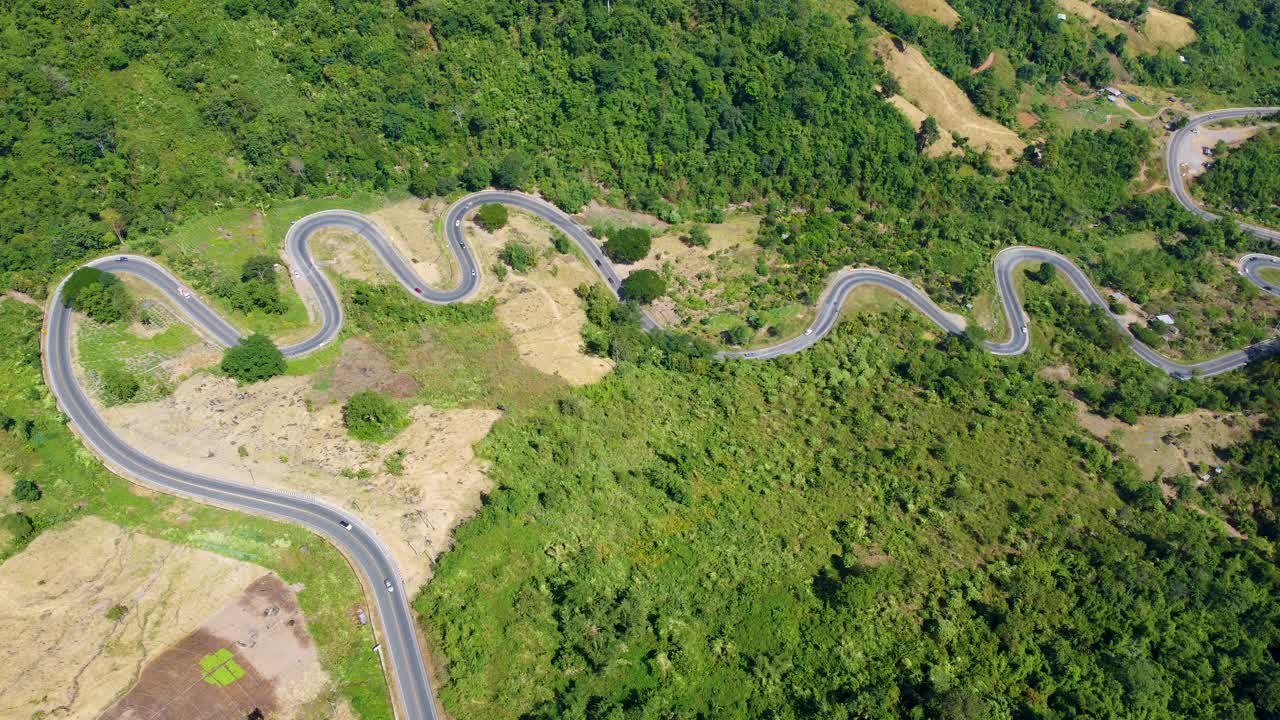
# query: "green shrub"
(697, 237)
(373, 416)
(394, 463)
(116, 613)
(120, 385)
(628, 245)
(98, 294)
(519, 256)
(561, 242)
(643, 286)
(492, 217)
(255, 358)
(20, 526)
(26, 491)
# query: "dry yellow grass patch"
(937, 9)
(916, 116)
(935, 94)
(1163, 29)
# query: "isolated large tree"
(255, 358)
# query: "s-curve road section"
(1188, 134)
(366, 552)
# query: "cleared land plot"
(64, 651)
(275, 434)
(1165, 447)
(937, 9)
(935, 94)
(254, 655)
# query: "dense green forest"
(1246, 179)
(883, 526)
(118, 120)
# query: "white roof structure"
(1166, 319)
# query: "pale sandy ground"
(61, 655)
(540, 309)
(944, 143)
(937, 9)
(1191, 159)
(203, 425)
(935, 94)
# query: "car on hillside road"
(345, 525)
(390, 588)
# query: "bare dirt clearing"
(360, 367)
(1191, 159)
(1166, 447)
(540, 308)
(62, 654)
(255, 654)
(935, 94)
(265, 434)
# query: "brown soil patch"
(360, 367)
(945, 143)
(1027, 119)
(1169, 446)
(23, 298)
(545, 318)
(61, 654)
(266, 634)
(937, 9)
(207, 421)
(540, 309)
(937, 95)
(991, 60)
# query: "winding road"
(374, 562)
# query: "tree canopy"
(643, 286)
(255, 358)
(628, 245)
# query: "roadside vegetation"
(37, 447)
(1246, 180)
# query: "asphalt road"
(1188, 134)
(374, 562)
